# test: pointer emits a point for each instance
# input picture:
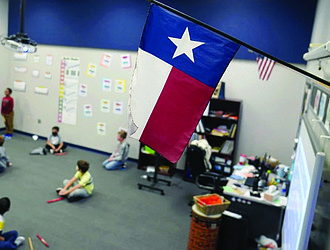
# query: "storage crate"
(211, 204)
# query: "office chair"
(207, 180)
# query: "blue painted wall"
(281, 28)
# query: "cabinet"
(147, 159)
(221, 129)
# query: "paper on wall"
(327, 119)
(120, 86)
(106, 84)
(118, 107)
(101, 128)
(323, 101)
(41, 90)
(20, 69)
(19, 86)
(83, 90)
(106, 60)
(91, 70)
(317, 100)
(36, 59)
(48, 75)
(35, 73)
(20, 56)
(88, 110)
(126, 61)
(49, 60)
(105, 105)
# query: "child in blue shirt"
(8, 240)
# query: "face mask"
(54, 133)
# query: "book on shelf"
(221, 130)
(200, 127)
(228, 147)
(232, 130)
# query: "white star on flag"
(184, 45)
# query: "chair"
(208, 180)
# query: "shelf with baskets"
(221, 129)
(147, 159)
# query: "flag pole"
(194, 20)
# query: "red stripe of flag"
(265, 67)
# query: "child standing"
(7, 111)
(80, 186)
(54, 142)
(4, 159)
(117, 160)
(8, 240)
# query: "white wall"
(270, 109)
(36, 114)
(4, 73)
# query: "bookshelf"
(148, 159)
(221, 129)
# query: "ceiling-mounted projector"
(20, 42)
(318, 53)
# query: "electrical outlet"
(39, 121)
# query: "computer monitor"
(304, 187)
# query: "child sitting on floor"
(117, 160)
(54, 142)
(80, 186)
(8, 240)
(4, 159)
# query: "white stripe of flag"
(265, 67)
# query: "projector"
(318, 53)
(19, 43)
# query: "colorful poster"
(88, 110)
(323, 101)
(317, 100)
(105, 105)
(49, 60)
(106, 60)
(68, 91)
(41, 90)
(35, 73)
(83, 90)
(118, 107)
(91, 70)
(48, 75)
(106, 84)
(101, 128)
(126, 61)
(19, 86)
(120, 86)
(20, 69)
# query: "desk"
(265, 218)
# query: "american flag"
(265, 67)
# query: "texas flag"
(178, 66)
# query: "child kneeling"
(80, 186)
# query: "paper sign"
(120, 86)
(19, 86)
(49, 60)
(327, 119)
(317, 100)
(106, 84)
(36, 59)
(101, 128)
(106, 60)
(48, 75)
(118, 107)
(35, 73)
(41, 90)
(105, 105)
(83, 90)
(88, 110)
(126, 61)
(20, 69)
(91, 70)
(20, 56)
(323, 101)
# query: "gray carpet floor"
(118, 216)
